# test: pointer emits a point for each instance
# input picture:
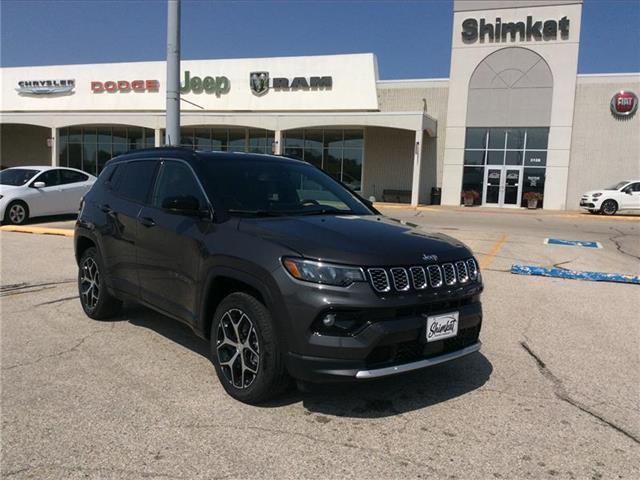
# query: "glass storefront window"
(513, 158)
(537, 138)
(474, 157)
(533, 182)
(472, 181)
(497, 138)
(504, 148)
(476, 138)
(237, 140)
(495, 157)
(515, 139)
(89, 148)
(338, 152)
(535, 158)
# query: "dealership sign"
(624, 103)
(217, 85)
(45, 87)
(472, 30)
(125, 86)
(260, 83)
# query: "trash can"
(435, 195)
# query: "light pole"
(173, 73)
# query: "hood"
(368, 240)
(7, 189)
(601, 190)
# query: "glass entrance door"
(492, 186)
(512, 187)
(502, 186)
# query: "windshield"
(16, 176)
(254, 187)
(618, 185)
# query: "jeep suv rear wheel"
(245, 350)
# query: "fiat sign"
(624, 103)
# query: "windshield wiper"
(327, 211)
(255, 213)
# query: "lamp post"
(173, 73)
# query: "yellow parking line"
(488, 258)
(39, 230)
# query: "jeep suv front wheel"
(245, 350)
(96, 300)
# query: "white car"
(623, 195)
(27, 192)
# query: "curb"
(37, 230)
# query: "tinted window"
(51, 178)
(70, 176)
(134, 179)
(635, 187)
(176, 180)
(16, 176)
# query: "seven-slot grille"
(401, 279)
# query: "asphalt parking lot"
(554, 393)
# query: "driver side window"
(176, 180)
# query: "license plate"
(442, 326)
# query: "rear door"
(170, 244)
(73, 185)
(126, 192)
(48, 200)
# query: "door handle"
(106, 209)
(147, 222)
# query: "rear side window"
(71, 176)
(133, 180)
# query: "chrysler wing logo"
(259, 82)
(429, 258)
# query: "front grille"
(449, 274)
(400, 279)
(404, 279)
(379, 279)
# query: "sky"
(412, 39)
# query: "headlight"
(324, 273)
(596, 195)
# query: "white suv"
(623, 195)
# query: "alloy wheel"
(237, 348)
(90, 283)
(608, 207)
(17, 213)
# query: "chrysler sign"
(624, 103)
(45, 87)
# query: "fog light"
(329, 319)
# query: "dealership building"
(513, 117)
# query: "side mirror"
(183, 205)
(39, 185)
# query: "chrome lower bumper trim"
(427, 362)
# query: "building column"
(277, 140)
(417, 167)
(158, 137)
(54, 147)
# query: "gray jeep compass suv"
(285, 271)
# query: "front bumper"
(388, 347)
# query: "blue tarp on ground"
(574, 274)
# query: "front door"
(502, 186)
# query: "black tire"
(609, 207)
(16, 213)
(95, 299)
(245, 351)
